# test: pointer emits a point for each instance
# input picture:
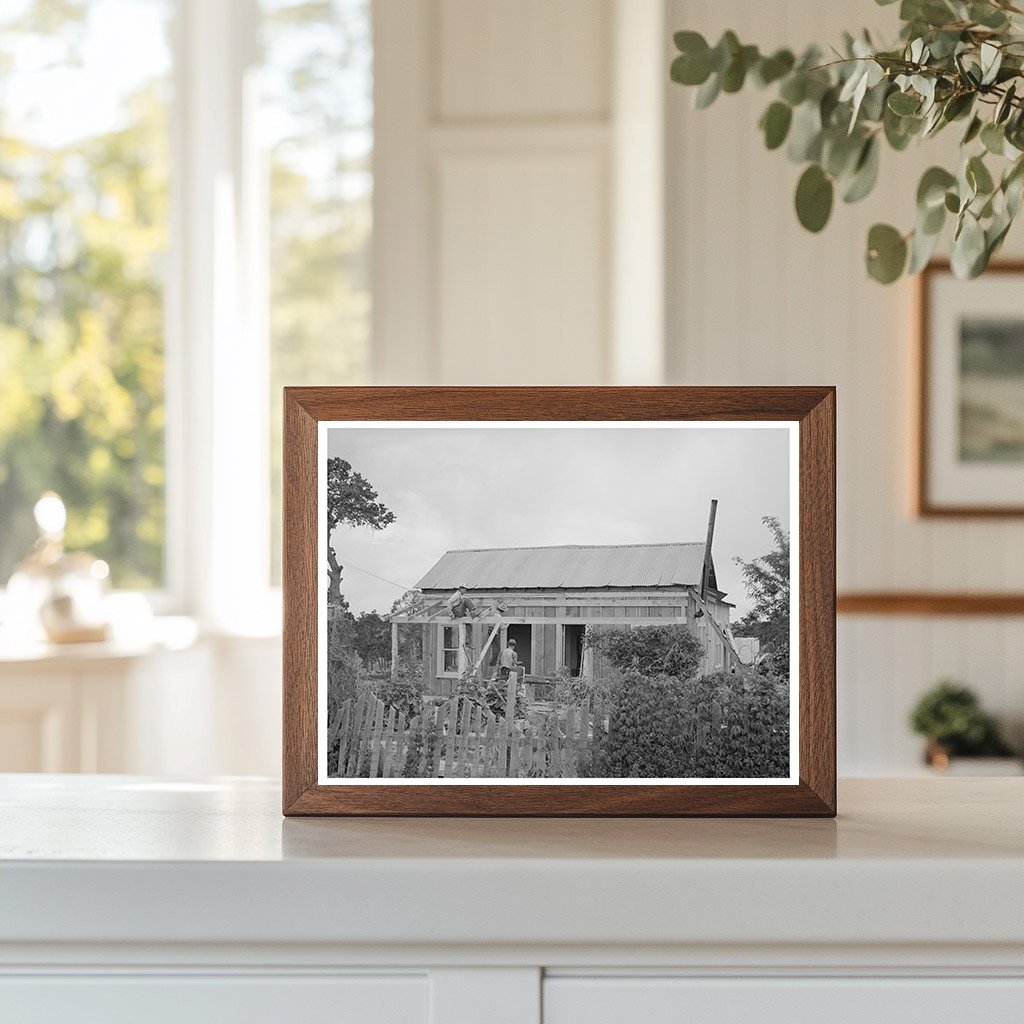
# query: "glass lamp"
(55, 595)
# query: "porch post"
(462, 648)
(394, 651)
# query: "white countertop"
(119, 859)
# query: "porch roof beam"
(660, 620)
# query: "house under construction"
(545, 598)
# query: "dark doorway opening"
(523, 636)
(572, 648)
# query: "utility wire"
(383, 579)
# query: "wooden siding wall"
(754, 299)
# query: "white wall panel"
(525, 58)
(493, 255)
(754, 299)
(522, 285)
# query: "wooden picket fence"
(462, 739)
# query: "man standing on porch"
(509, 660)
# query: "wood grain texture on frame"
(812, 407)
(923, 504)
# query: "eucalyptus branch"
(955, 61)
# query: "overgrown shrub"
(410, 770)
(572, 691)
(576, 691)
(718, 726)
(746, 727)
(648, 729)
(344, 673)
(649, 650)
(492, 694)
(404, 694)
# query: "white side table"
(128, 898)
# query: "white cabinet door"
(782, 1001)
(202, 999)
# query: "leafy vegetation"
(83, 230)
(351, 501)
(718, 726)
(572, 690)
(492, 694)
(767, 584)
(950, 716)
(649, 650)
(956, 62)
(749, 734)
(404, 694)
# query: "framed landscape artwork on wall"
(559, 601)
(970, 450)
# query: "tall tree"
(83, 218)
(767, 582)
(353, 502)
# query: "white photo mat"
(793, 428)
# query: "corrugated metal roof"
(568, 566)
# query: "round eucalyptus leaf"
(735, 74)
(707, 93)
(973, 130)
(968, 255)
(987, 15)
(932, 220)
(771, 69)
(1005, 106)
(897, 129)
(1013, 187)
(865, 173)
(903, 103)
(794, 89)
(814, 195)
(958, 106)
(725, 50)
(805, 133)
(887, 253)
(689, 42)
(922, 248)
(874, 103)
(993, 138)
(775, 123)
(952, 202)
(840, 152)
(693, 65)
(931, 191)
(978, 176)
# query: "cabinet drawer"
(659, 1000)
(202, 999)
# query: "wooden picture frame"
(931, 373)
(810, 411)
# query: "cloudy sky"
(473, 487)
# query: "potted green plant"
(956, 62)
(951, 719)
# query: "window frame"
(216, 342)
(442, 650)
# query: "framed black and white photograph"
(971, 393)
(525, 615)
